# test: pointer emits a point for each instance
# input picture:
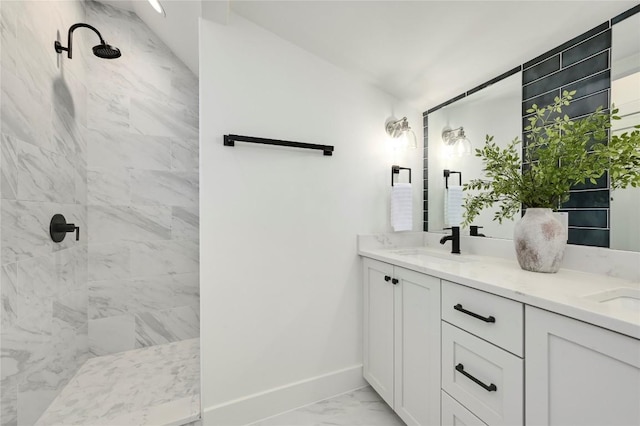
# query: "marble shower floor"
(159, 385)
(362, 407)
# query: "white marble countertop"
(562, 292)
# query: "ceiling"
(424, 52)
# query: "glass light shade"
(408, 139)
(462, 147)
(157, 6)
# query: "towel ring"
(448, 173)
(395, 170)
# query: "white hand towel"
(453, 206)
(401, 207)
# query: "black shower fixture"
(103, 50)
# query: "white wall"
(492, 111)
(280, 278)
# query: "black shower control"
(58, 228)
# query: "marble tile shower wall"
(43, 285)
(142, 120)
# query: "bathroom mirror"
(497, 110)
(625, 95)
(494, 110)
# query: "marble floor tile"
(362, 407)
(157, 385)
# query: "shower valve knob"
(58, 228)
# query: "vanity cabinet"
(580, 374)
(402, 340)
(439, 352)
(482, 341)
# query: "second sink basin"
(626, 298)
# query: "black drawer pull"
(394, 281)
(459, 307)
(490, 388)
(387, 278)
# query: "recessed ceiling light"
(157, 6)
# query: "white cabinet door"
(378, 328)
(417, 348)
(579, 374)
(454, 413)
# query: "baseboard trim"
(252, 408)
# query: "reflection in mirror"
(494, 110)
(625, 95)
(597, 217)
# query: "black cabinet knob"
(394, 281)
(387, 278)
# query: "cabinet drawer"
(484, 378)
(454, 414)
(490, 317)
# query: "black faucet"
(474, 231)
(454, 238)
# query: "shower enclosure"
(112, 145)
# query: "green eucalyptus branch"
(558, 153)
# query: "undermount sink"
(430, 254)
(619, 298)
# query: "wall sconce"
(400, 130)
(459, 145)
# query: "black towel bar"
(230, 140)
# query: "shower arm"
(60, 48)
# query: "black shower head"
(106, 51)
(103, 50)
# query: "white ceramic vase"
(540, 240)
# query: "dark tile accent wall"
(588, 67)
(589, 237)
(589, 219)
(581, 64)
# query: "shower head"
(103, 50)
(106, 51)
